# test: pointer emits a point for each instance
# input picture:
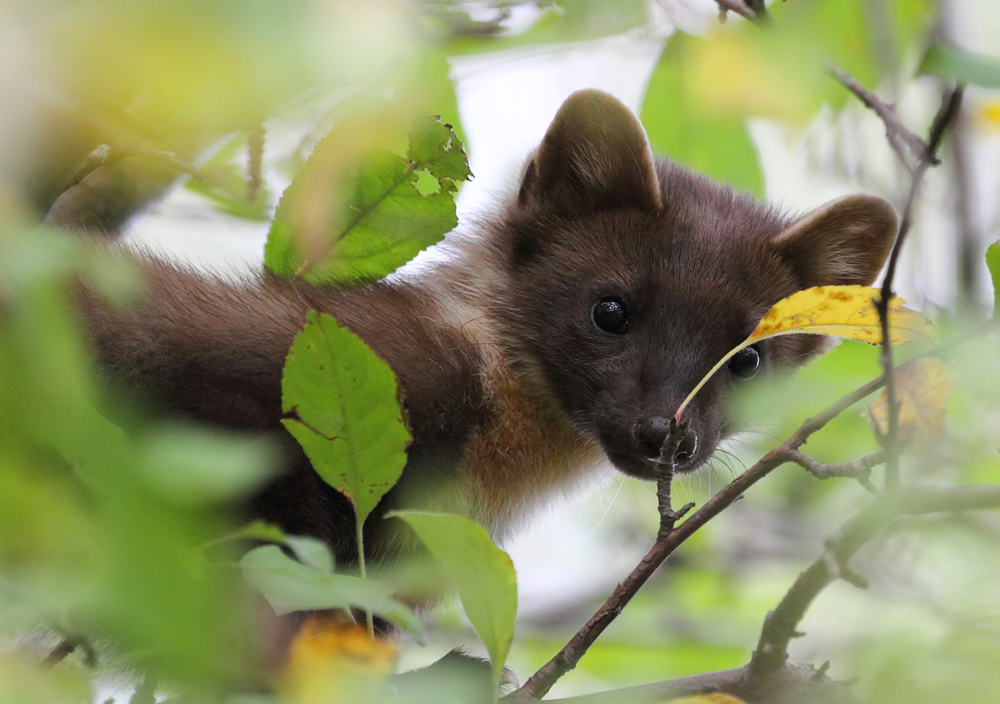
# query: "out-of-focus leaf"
(260, 530)
(739, 71)
(848, 312)
(362, 215)
(289, 585)
(993, 262)
(226, 184)
(331, 663)
(482, 573)
(962, 65)
(312, 552)
(683, 128)
(348, 417)
(990, 114)
(193, 465)
(25, 682)
(922, 389)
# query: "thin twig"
(895, 130)
(859, 469)
(781, 624)
(945, 115)
(567, 658)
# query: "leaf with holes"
(849, 312)
(346, 412)
(356, 213)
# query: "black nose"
(651, 434)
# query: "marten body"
(566, 327)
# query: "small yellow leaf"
(334, 662)
(922, 389)
(989, 114)
(841, 311)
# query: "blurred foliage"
(117, 531)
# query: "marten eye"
(746, 362)
(610, 315)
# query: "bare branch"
(781, 624)
(567, 658)
(859, 469)
(791, 684)
(945, 115)
(895, 131)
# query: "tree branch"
(567, 658)
(781, 624)
(791, 684)
(895, 131)
(945, 115)
(859, 469)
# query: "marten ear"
(845, 241)
(594, 156)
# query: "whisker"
(621, 483)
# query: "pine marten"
(567, 325)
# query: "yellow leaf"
(989, 114)
(332, 662)
(922, 389)
(841, 311)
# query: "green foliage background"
(116, 528)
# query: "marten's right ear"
(595, 156)
(845, 241)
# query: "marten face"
(627, 282)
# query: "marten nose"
(652, 432)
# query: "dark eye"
(610, 315)
(745, 363)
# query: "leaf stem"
(361, 566)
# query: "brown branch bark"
(567, 658)
(781, 624)
(791, 684)
(945, 116)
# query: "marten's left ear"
(845, 241)
(594, 156)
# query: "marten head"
(628, 278)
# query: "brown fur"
(510, 390)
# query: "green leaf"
(223, 181)
(348, 417)
(376, 218)
(259, 530)
(312, 552)
(482, 573)
(191, 465)
(289, 585)
(962, 65)
(683, 129)
(993, 262)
